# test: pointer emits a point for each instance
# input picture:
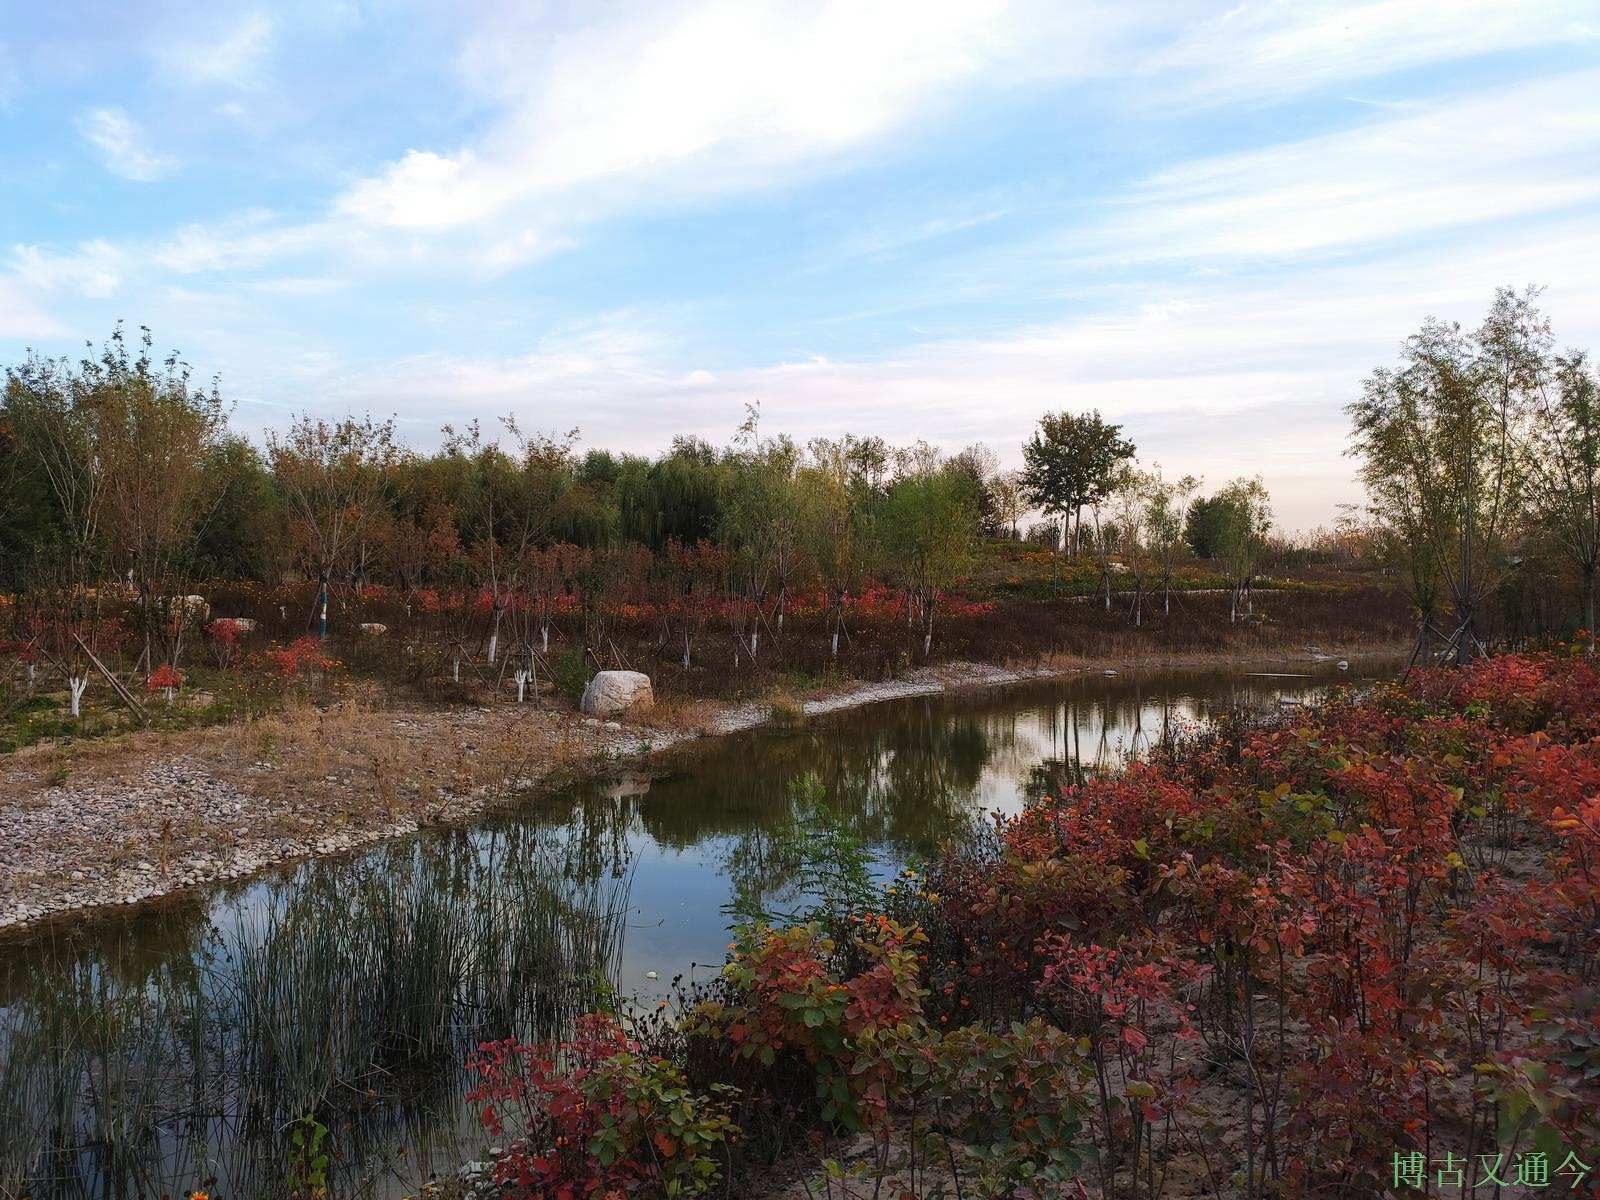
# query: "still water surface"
(157, 1051)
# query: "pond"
(184, 1045)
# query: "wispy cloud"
(121, 144)
(94, 269)
(21, 316)
(234, 57)
(653, 109)
(1510, 152)
(1263, 49)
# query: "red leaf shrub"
(596, 1117)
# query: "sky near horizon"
(915, 219)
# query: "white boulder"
(612, 693)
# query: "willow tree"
(1563, 472)
(1438, 443)
(333, 475)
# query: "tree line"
(1480, 454)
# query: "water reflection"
(155, 1051)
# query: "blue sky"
(909, 219)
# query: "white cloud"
(714, 96)
(644, 107)
(121, 144)
(94, 269)
(1510, 152)
(233, 58)
(21, 316)
(1262, 49)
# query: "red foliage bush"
(596, 1117)
(300, 657)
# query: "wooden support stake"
(122, 692)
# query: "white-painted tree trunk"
(33, 674)
(686, 652)
(494, 641)
(522, 684)
(456, 668)
(75, 689)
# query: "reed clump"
(350, 999)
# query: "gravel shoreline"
(162, 821)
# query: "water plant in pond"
(348, 1005)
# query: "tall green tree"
(1070, 463)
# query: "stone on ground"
(612, 693)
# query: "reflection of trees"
(901, 782)
(901, 785)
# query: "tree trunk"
(1588, 602)
(1466, 632)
